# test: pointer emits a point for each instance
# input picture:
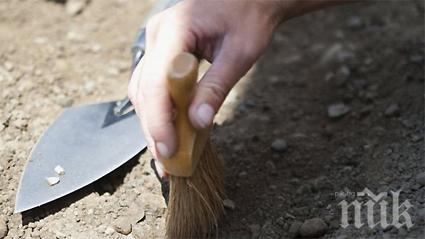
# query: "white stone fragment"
(52, 180)
(59, 170)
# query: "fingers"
(227, 68)
(148, 90)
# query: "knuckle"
(217, 90)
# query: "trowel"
(83, 144)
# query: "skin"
(230, 34)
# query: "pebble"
(89, 87)
(3, 228)
(75, 7)
(355, 22)
(123, 226)
(392, 110)
(420, 178)
(229, 204)
(9, 66)
(51, 181)
(109, 231)
(65, 101)
(338, 110)
(279, 145)
(314, 227)
(59, 170)
(294, 229)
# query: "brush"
(195, 171)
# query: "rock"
(51, 181)
(420, 178)
(294, 229)
(229, 204)
(338, 110)
(74, 36)
(392, 110)
(271, 167)
(3, 228)
(109, 231)
(279, 145)
(314, 227)
(59, 170)
(9, 66)
(75, 7)
(65, 101)
(123, 226)
(89, 87)
(355, 22)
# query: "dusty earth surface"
(334, 106)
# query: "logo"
(371, 202)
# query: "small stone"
(89, 87)
(294, 229)
(51, 181)
(420, 178)
(109, 231)
(123, 226)
(3, 227)
(242, 174)
(96, 48)
(314, 227)
(338, 110)
(31, 225)
(355, 22)
(113, 71)
(392, 110)
(65, 101)
(229, 204)
(75, 7)
(74, 36)
(9, 66)
(59, 170)
(279, 145)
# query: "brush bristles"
(196, 203)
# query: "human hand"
(229, 34)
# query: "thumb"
(227, 68)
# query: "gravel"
(294, 229)
(314, 227)
(338, 110)
(123, 226)
(75, 7)
(229, 204)
(392, 110)
(279, 145)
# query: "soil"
(287, 158)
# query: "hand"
(229, 34)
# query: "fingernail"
(205, 115)
(162, 149)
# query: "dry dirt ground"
(286, 156)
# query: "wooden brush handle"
(181, 80)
